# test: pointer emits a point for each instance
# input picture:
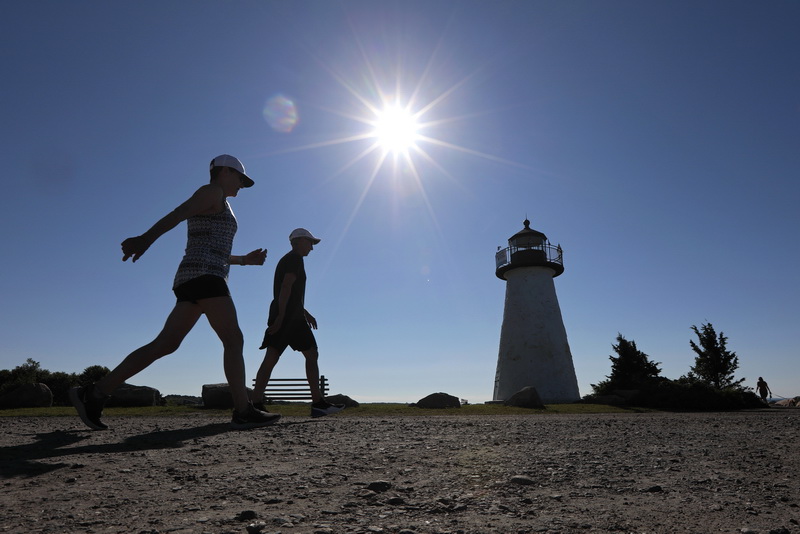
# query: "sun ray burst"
(400, 125)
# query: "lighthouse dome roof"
(527, 232)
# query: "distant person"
(289, 324)
(200, 286)
(763, 389)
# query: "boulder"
(438, 401)
(527, 397)
(787, 403)
(342, 399)
(28, 396)
(218, 396)
(128, 395)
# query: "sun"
(403, 116)
(403, 121)
(396, 129)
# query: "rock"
(438, 401)
(28, 396)
(342, 399)
(379, 486)
(218, 396)
(130, 395)
(256, 527)
(523, 480)
(787, 403)
(246, 515)
(527, 397)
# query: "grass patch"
(303, 410)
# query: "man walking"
(289, 324)
(763, 389)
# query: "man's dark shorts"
(297, 335)
(203, 287)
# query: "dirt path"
(737, 472)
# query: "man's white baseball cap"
(229, 161)
(302, 232)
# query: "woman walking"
(201, 288)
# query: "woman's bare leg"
(179, 323)
(221, 314)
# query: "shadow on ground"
(27, 460)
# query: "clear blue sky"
(657, 142)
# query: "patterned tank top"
(208, 246)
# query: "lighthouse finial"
(526, 222)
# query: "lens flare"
(281, 114)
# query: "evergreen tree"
(714, 364)
(630, 369)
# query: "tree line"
(31, 372)
(710, 383)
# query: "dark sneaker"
(253, 418)
(321, 409)
(260, 407)
(89, 408)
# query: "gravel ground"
(717, 472)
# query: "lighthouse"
(533, 341)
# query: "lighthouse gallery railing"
(552, 254)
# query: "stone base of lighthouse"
(533, 342)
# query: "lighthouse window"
(529, 242)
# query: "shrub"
(687, 395)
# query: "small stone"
(379, 486)
(246, 515)
(256, 528)
(522, 480)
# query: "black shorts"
(297, 335)
(203, 287)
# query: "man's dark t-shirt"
(290, 263)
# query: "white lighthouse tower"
(533, 342)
